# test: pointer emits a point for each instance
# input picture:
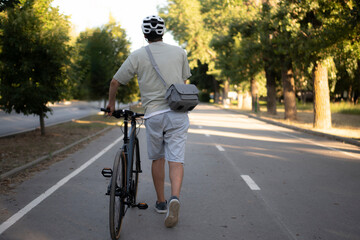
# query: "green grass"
(345, 107)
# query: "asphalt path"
(244, 179)
(14, 123)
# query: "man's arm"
(114, 85)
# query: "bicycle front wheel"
(117, 195)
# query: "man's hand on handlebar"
(111, 107)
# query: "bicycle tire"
(117, 201)
(135, 172)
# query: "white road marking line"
(17, 216)
(220, 148)
(252, 185)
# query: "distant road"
(62, 112)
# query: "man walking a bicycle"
(166, 130)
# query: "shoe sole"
(160, 211)
(173, 214)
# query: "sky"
(129, 14)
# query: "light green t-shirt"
(173, 65)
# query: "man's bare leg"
(176, 173)
(158, 174)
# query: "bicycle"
(125, 172)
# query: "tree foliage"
(99, 53)
(33, 58)
(194, 24)
(308, 44)
(242, 40)
(185, 21)
(313, 32)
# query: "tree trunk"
(216, 91)
(267, 57)
(225, 92)
(350, 94)
(322, 113)
(42, 124)
(357, 83)
(254, 95)
(289, 91)
(271, 91)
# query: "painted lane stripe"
(220, 148)
(252, 185)
(17, 216)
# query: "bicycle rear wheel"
(135, 169)
(117, 195)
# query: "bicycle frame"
(129, 140)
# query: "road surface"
(62, 112)
(244, 179)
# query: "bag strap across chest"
(155, 66)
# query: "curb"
(320, 134)
(32, 163)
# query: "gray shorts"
(166, 136)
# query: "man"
(166, 130)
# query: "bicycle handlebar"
(123, 113)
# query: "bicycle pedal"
(142, 205)
(107, 172)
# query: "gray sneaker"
(161, 207)
(172, 215)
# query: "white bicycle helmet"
(153, 24)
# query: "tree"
(190, 26)
(203, 81)
(284, 31)
(219, 17)
(323, 26)
(239, 50)
(266, 31)
(33, 58)
(99, 54)
(322, 113)
(184, 19)
(242, 40)
(288, 81)
(347, 61)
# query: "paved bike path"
(77, 210)
(217, 201)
